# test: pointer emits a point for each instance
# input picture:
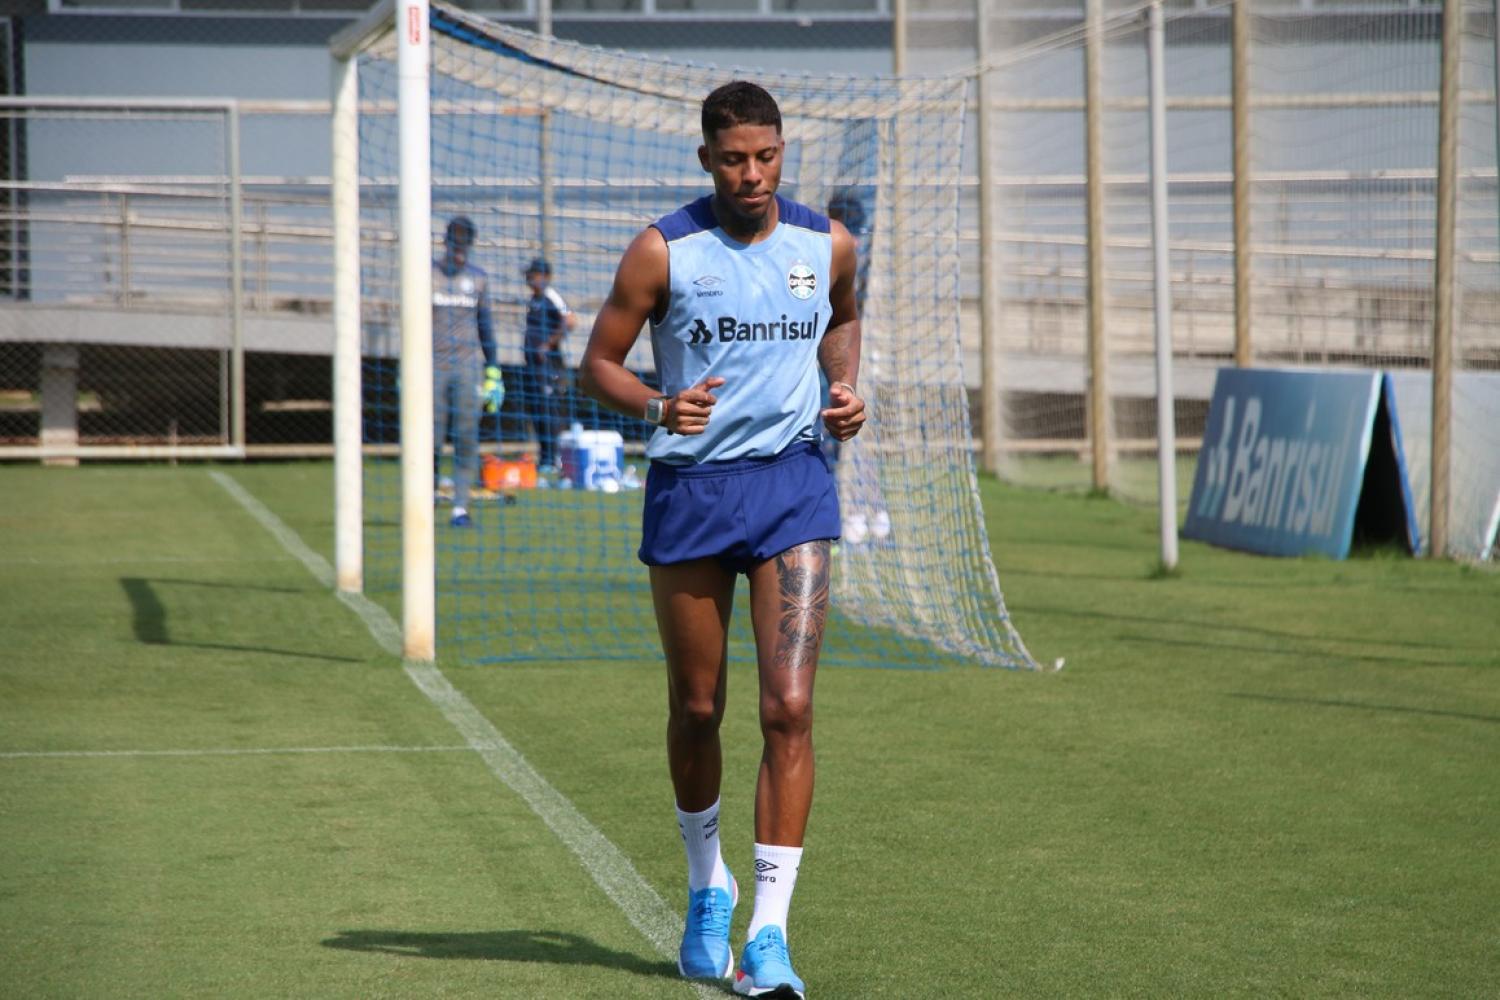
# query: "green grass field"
(1258, 778)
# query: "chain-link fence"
(126, 222)
(115, 327)
(1339, 163)
(125, 226)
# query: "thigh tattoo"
(802, 585)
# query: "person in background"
(465, 372)
(545, 393)
(848, 206)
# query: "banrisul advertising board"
(1284, 461)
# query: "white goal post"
(418, 619)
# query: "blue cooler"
(593, 460)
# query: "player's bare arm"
(639, 292)
(838, 354)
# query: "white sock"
(700, 835)
(775, 878)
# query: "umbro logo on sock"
(710, 828)
(762, 866)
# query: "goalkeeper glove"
(494, 389)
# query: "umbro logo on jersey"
(708, 286)
(727, 329)
(762, 868)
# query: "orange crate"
(501, 474)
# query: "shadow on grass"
(150, 619)
(1364, 706)
(552, 947)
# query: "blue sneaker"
(705, 952)
(766, 968)
(461, 519)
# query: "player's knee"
(695, 715)
(786, 714)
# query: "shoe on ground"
(766, 969)
(461, 519)
(705, 951)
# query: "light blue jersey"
(752, 314)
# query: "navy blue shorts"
(741, 512)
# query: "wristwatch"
(656, 410)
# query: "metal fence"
(116, 272)
(1303, 178)
(120, 335)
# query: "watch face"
(653, 410)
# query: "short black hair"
(739, 103)
(460, 232)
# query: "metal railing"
(143, 261)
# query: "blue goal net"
(548, 157)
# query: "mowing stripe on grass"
(289, 539)
(247, 752)
(605, 863)
(125, 561)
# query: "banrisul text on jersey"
(728, 328)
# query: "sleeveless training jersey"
(752, 314)
(461, 330)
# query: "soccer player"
(548, 320)
(465, 372)
(747, 294)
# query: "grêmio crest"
(801, 281)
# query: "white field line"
(605, 863)
(230, 752)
